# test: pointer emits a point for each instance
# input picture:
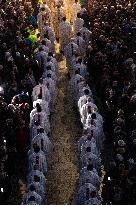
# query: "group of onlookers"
(112, 71)
(28, 75)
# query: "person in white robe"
(83, 193)
(50, 83)
(81, 67)
(93, 201)
(83, 99)
(48, 31)
(75, 58)
(44, 105)
(35, 172)
(38, 187)
(89, 175)
(47, 12)
(42, 140)
(51, 64)
(54, 61)
(81, 44)
(64, 33)
(32, 194)
(88, 158)
(82, 140)
(42, 17)
(80, 88)
(44, 46)
(87, 108)
(69, 52)
(77, 78)
(75, 9)
(49, 71)
(98, 121)
(48, 43)
(59, 13)
(41, 117)
(98, 134)
(78, 24)
(86, 35)
(37, 157)
(41, 57)
(43, 90)
(89, 142)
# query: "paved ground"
(62, 176)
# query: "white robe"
(64, 34)
(41, 58)
(48, 44)
(75, 9)
(82, 193)
(39, 188)
(93, 201)
(45, 93)
(89, 177)
(49, 32)
(51, 86)
(38, 199)
(44, 120)
(53, 75)
(86, 35)
(59, 13)
(81, 44)
(42, 163)
(84, 111)
(90, 157)
(89, 143)
(44, 105)
(69, 51)
(52, 65)
(30, 177)
(43, 142)
(82, 69)
(78, 24)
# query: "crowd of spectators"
(112, 69)
(20, 72)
